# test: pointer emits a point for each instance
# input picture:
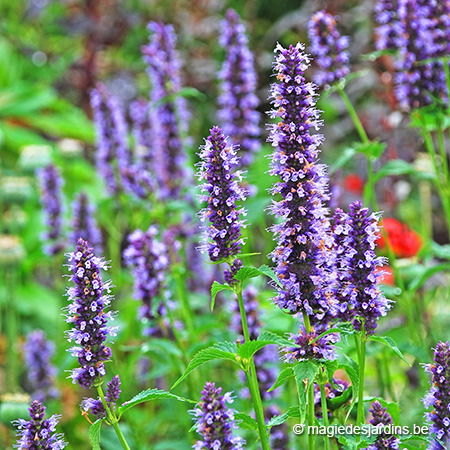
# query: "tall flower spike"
(113, 152)
(170, 118)
(84, 224)
(237, 100)
(221, 190)
(328, 48)
(439, 398)
(302, 235)
(142, 117)
(51, 184)
(361, 300)
(40, 371)
(215, 421)
(381, 418)
(38, 433)
(149, 262)
(388, 33)
(88, 299)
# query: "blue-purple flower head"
(88, 300)
(215, 421)
(222, 192)
(237, 101)
(38, 433)
(439, 398)
(360, 299)
(38, 351)
(328, 48)
(84, 224)
(302, 238)
(381, 418)
(389, 30)
(51, 183)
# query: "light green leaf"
(248, 349)
(94, 434)
(305, 373)
(373, 149)
(246, 422)
(401, 167)
(345, 156)
(275, 338)
(419, 282)
(284, 375)
(215, 289)
(292, 412)
(386, 340)
(244, 273)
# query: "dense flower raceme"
(137, 181)
(221, 190)
(238, 82)
(360, 299)
(95, 406)
(170, 114)
(40, 371)
(88, 299)
(39, 433)
(51, 183)
(328, 48)
(389, 30)
(143, 123)
(149, 262)
(84, 224)
(215, 421)
(113, 152)
(381, 418)
(439, 398)
(337, 389)
(302, 237)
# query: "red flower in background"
(404, 242)
(388, 276)
(353, 183)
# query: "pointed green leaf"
(94, 434)
(293, 412)
(282, 378)
(215, 289)
(274, 338)
(305, 373)
(244, 273)
(386, 340)
(248, 349)
(246, 422)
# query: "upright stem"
(323, 402)
(112, 419)
(182, 293)
(11, 330)
(252, 379)
(362, 363)
(311, 417)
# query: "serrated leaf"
(215, 289)
(203, 356)
(292, 412)
(373, 149)
(397, 167)
(245, 273)
(94, 434)
(226, 346)
(354, 378)
(147, 395)
(248, 349)
(284, 375)
(386, 340)
(305, 373)
(246, 422)
(275, 338)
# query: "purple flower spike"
(113, 152)
(237, 100)
(38, 433)
(86, 312)
(143, 118)
(303, 242)
(328, 48)
(40, 371)
(389, 32)
(170, 115)
(439, 398)
(361, 300)
(51, 184)
(93, 406)
(303, 349)
(221, 190)
(84, 224)
(113, 390)
(381, 418)
(215, 421)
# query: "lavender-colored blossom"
(93, 406)
(303, 242)
(170, 113)
(40, 371)
(332, 391)
(51, 183)
(38, 433)
(279, 434)
(302, 348)
(381, 418)
(328, 48)
(88, 300)
(143, 119)
(113, 152)
(137, 181)
(215, 421)
(222, 192)
(439, 398)
(389, 30)
(149, 262)
(361, 300)
(84, 224)
(237, 101)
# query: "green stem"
(252, 379)
(11, 331)
(362, 364)
(323, 401)
(311, 417)
(447, 80)
(182, 293)
(112, 419)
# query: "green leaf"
(397, 167)
(386, 340)
(331, 367)
(419, 282)
(244, 273)
(373, 149)
(149, 394)
(203, 356)
(305, 373)
(284, 375)
(248, 349)
(339, 400)
(354, 378)
(274, 338)
(345, 156)
(246, 422)
(94, 434)
(292, 412)
(215, 289)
